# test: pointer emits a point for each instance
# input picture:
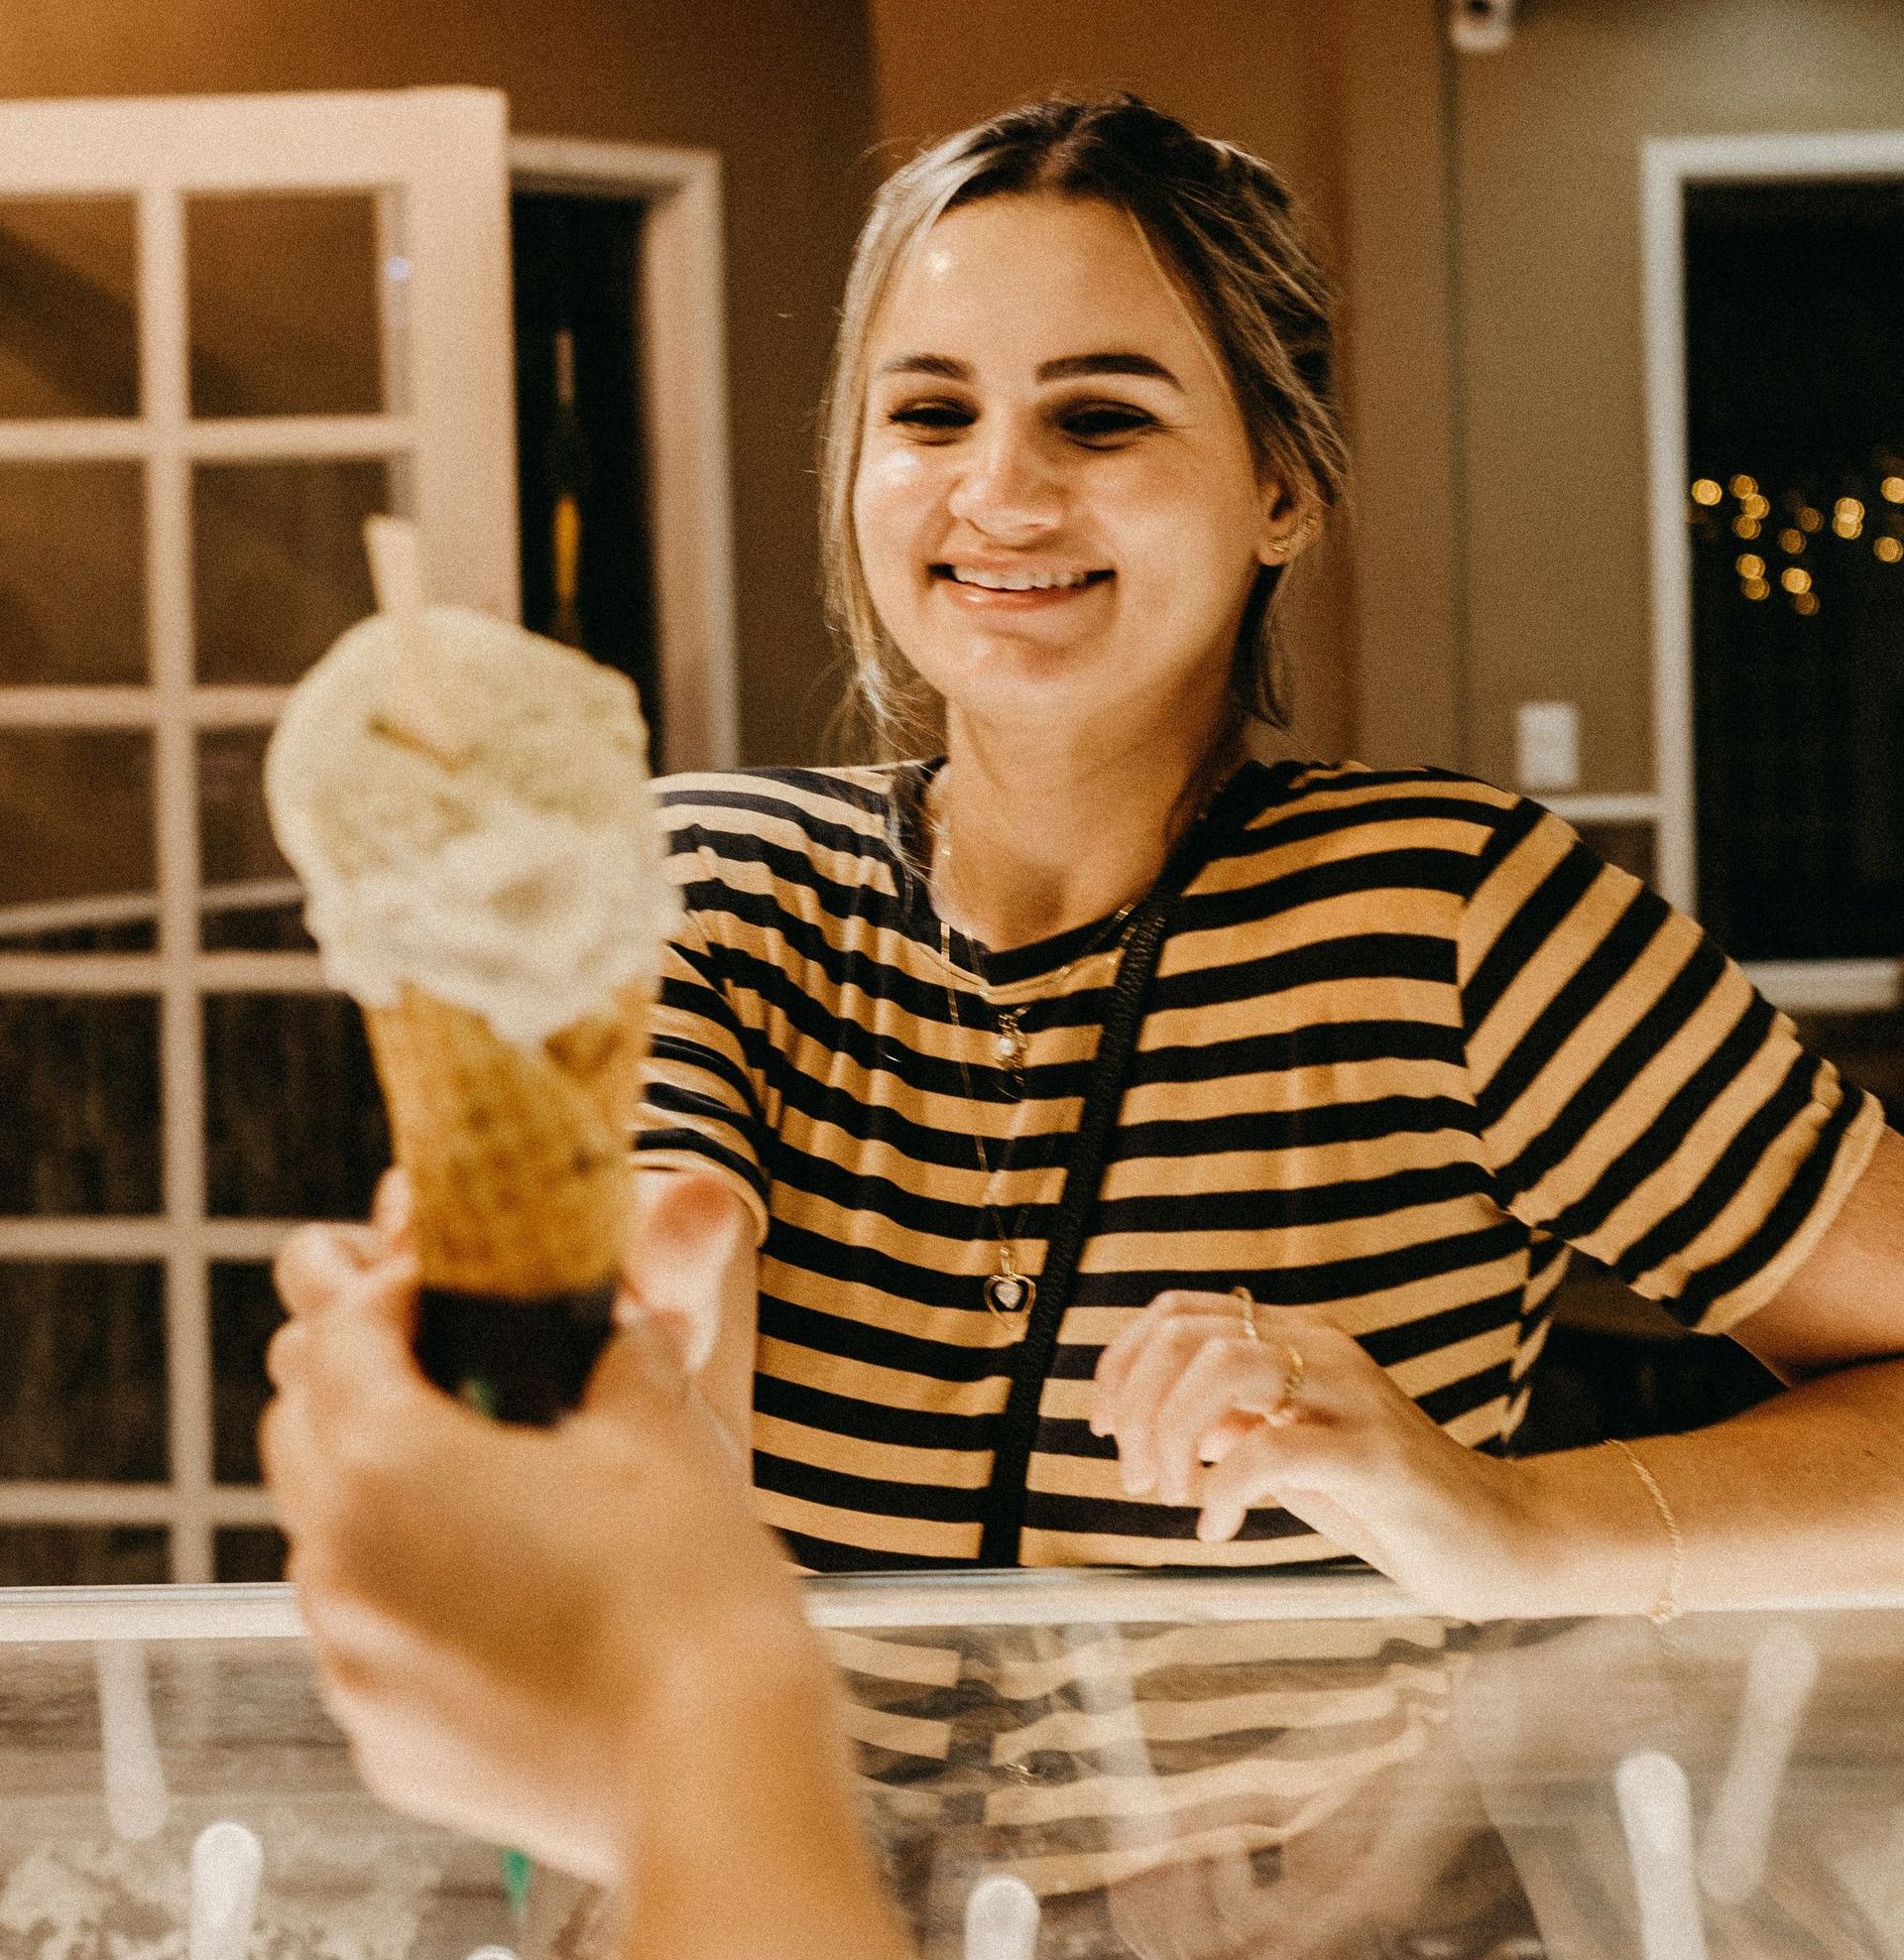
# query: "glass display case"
(1057, 1766)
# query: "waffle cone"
(518, 1157)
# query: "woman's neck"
(1032, 839)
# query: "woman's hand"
(522, 1630)
(1226, 1406)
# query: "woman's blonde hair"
(1222, 222)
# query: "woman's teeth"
(1022, 581)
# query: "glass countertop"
(1161, 1765)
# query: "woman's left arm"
(1802, 1494)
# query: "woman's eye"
(1104, 422)
(931, 418)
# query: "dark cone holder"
(517, 1360)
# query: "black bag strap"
(1004, 1523)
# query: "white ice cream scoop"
(469, 808)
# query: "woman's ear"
(1289, 524)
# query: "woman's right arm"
(695, 1261)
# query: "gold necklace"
(1012, 1044)
(1008, 1291)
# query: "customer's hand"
(523, 1631)
(1299, 1415)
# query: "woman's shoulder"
(740, 810)
(1383, 809)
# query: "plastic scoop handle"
(227, 1865)
(135, 1779)
(1001, 1920)
(1656, 1813)
(414, 703)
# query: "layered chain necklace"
(1008, 1291)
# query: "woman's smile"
(995, 587)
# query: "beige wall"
(741, 75)
(1260, 73)
(1548, 135)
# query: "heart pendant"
(1009, 1292)
(1012, 1044)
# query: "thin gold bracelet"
(1667, 1606)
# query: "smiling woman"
(1092, 1146)
(1154, 1155)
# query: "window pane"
(68, 307)
(80, 1083)
(82, 1396)
(295, 1126)
(279, 555)
(252, 899)
(281, 292)
(82, 1555)
(248, 1555)
(73, 573)
(245, 1314)
(75, 810)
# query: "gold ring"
(1295, 1379)
(1247, 1302)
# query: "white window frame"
(450, 419)
(1667, 167)
(682, 335)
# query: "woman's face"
(1056, 506)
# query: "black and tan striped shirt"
(1408, 1040)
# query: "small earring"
(1285, 549)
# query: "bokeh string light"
(1868, 514)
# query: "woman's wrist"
(1596, 1533)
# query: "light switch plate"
(1547, 745)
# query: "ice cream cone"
(518, 1157)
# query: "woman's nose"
(1006, 489)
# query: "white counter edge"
(875, 1600)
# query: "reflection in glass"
(75, 810)
(280, 554)
(82, 1395)
(73, 571)
(252, 901)
(245, 1314)
(68, 307)
(80, 1083)
(295, 1124)
(82, 1555)
(281, 293)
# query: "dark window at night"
(1795, 395)
(579, 433)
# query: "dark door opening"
(581, 446)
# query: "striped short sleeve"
(1636, 1096)
(700, 1109)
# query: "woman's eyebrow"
(1067, 367)
(942, 366)
(1071, 366)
